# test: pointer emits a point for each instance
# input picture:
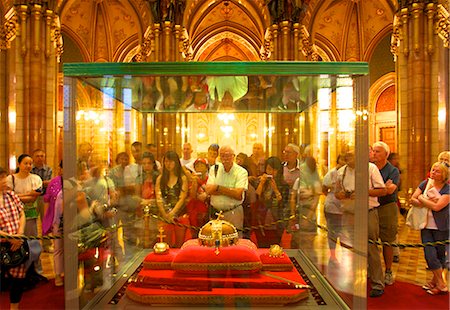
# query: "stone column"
(420, 47)
(30, 54)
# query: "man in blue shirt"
(388, 210)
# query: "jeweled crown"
(218, 233)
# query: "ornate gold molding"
(8, 30)
(266, 49)
(147, 45)
(395, 38)
(442, 24)
(185, 46)
(56, 37)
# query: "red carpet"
(44, 296)
(403, 295)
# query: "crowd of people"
(263, 196)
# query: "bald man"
(227, 183)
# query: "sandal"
(437, 291)
(429, 286)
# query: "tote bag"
(417, 218)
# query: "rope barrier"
(250, 228)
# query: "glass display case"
(126, 123)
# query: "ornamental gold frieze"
(395, 38)
(147, 45)
(185, 46)
(308, 48)
(442, 24)
(55, 35)
(267, 47)
(8, 30)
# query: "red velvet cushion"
(160, 261)
(282, 263)
(240, 258)
(174, 288)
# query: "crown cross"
(161, 234)
(220, 215)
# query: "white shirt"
(131, 173)
(347, 180)
(21, 186)
(375, 181)
(188, 163)
(237, 177)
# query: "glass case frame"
(90, 73)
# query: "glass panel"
(126, 132)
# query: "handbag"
(417, 218)
(11, 259)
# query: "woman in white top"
(28, 187)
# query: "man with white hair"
(291, 170)
(187, 160)
(227, 182)
(388, 210)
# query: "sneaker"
(396, 259)
(376, 293)
(388, 278)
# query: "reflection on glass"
(288, 131)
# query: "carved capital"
(8, 30)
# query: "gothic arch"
(244, 21)
(77, 41)
(375, 41)
(328, 48)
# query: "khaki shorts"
(388, 217)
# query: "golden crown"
(218, 233)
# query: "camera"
(107, 207)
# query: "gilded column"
(168, 47)
(296, 33)
(423, 86)
(157, 51)
(177, 50)
(285, 40)
(275, 52)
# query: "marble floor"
(411, 268)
